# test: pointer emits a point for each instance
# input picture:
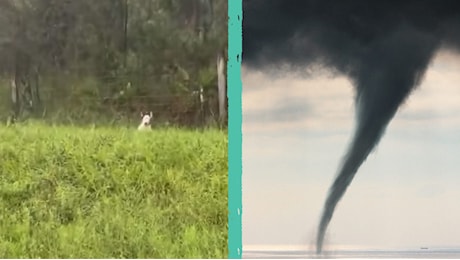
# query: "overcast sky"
(295, 132)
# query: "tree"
(73, 55)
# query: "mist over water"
(384, 47)
(444, 253)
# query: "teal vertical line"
(234, 127)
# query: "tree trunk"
(222, 87)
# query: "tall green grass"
(68, 192)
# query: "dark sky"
(342, 34)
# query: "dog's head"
(146, 117)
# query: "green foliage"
(95, 192)
(161, 47)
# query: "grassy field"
(68, 192)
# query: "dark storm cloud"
(384, 47)
(341, 34)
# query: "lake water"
(298, 254)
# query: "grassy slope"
(102, 193)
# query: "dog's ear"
(151, 114)
(142, 114)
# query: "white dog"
(145, 124)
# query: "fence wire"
(112, 100)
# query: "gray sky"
(295, 132)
